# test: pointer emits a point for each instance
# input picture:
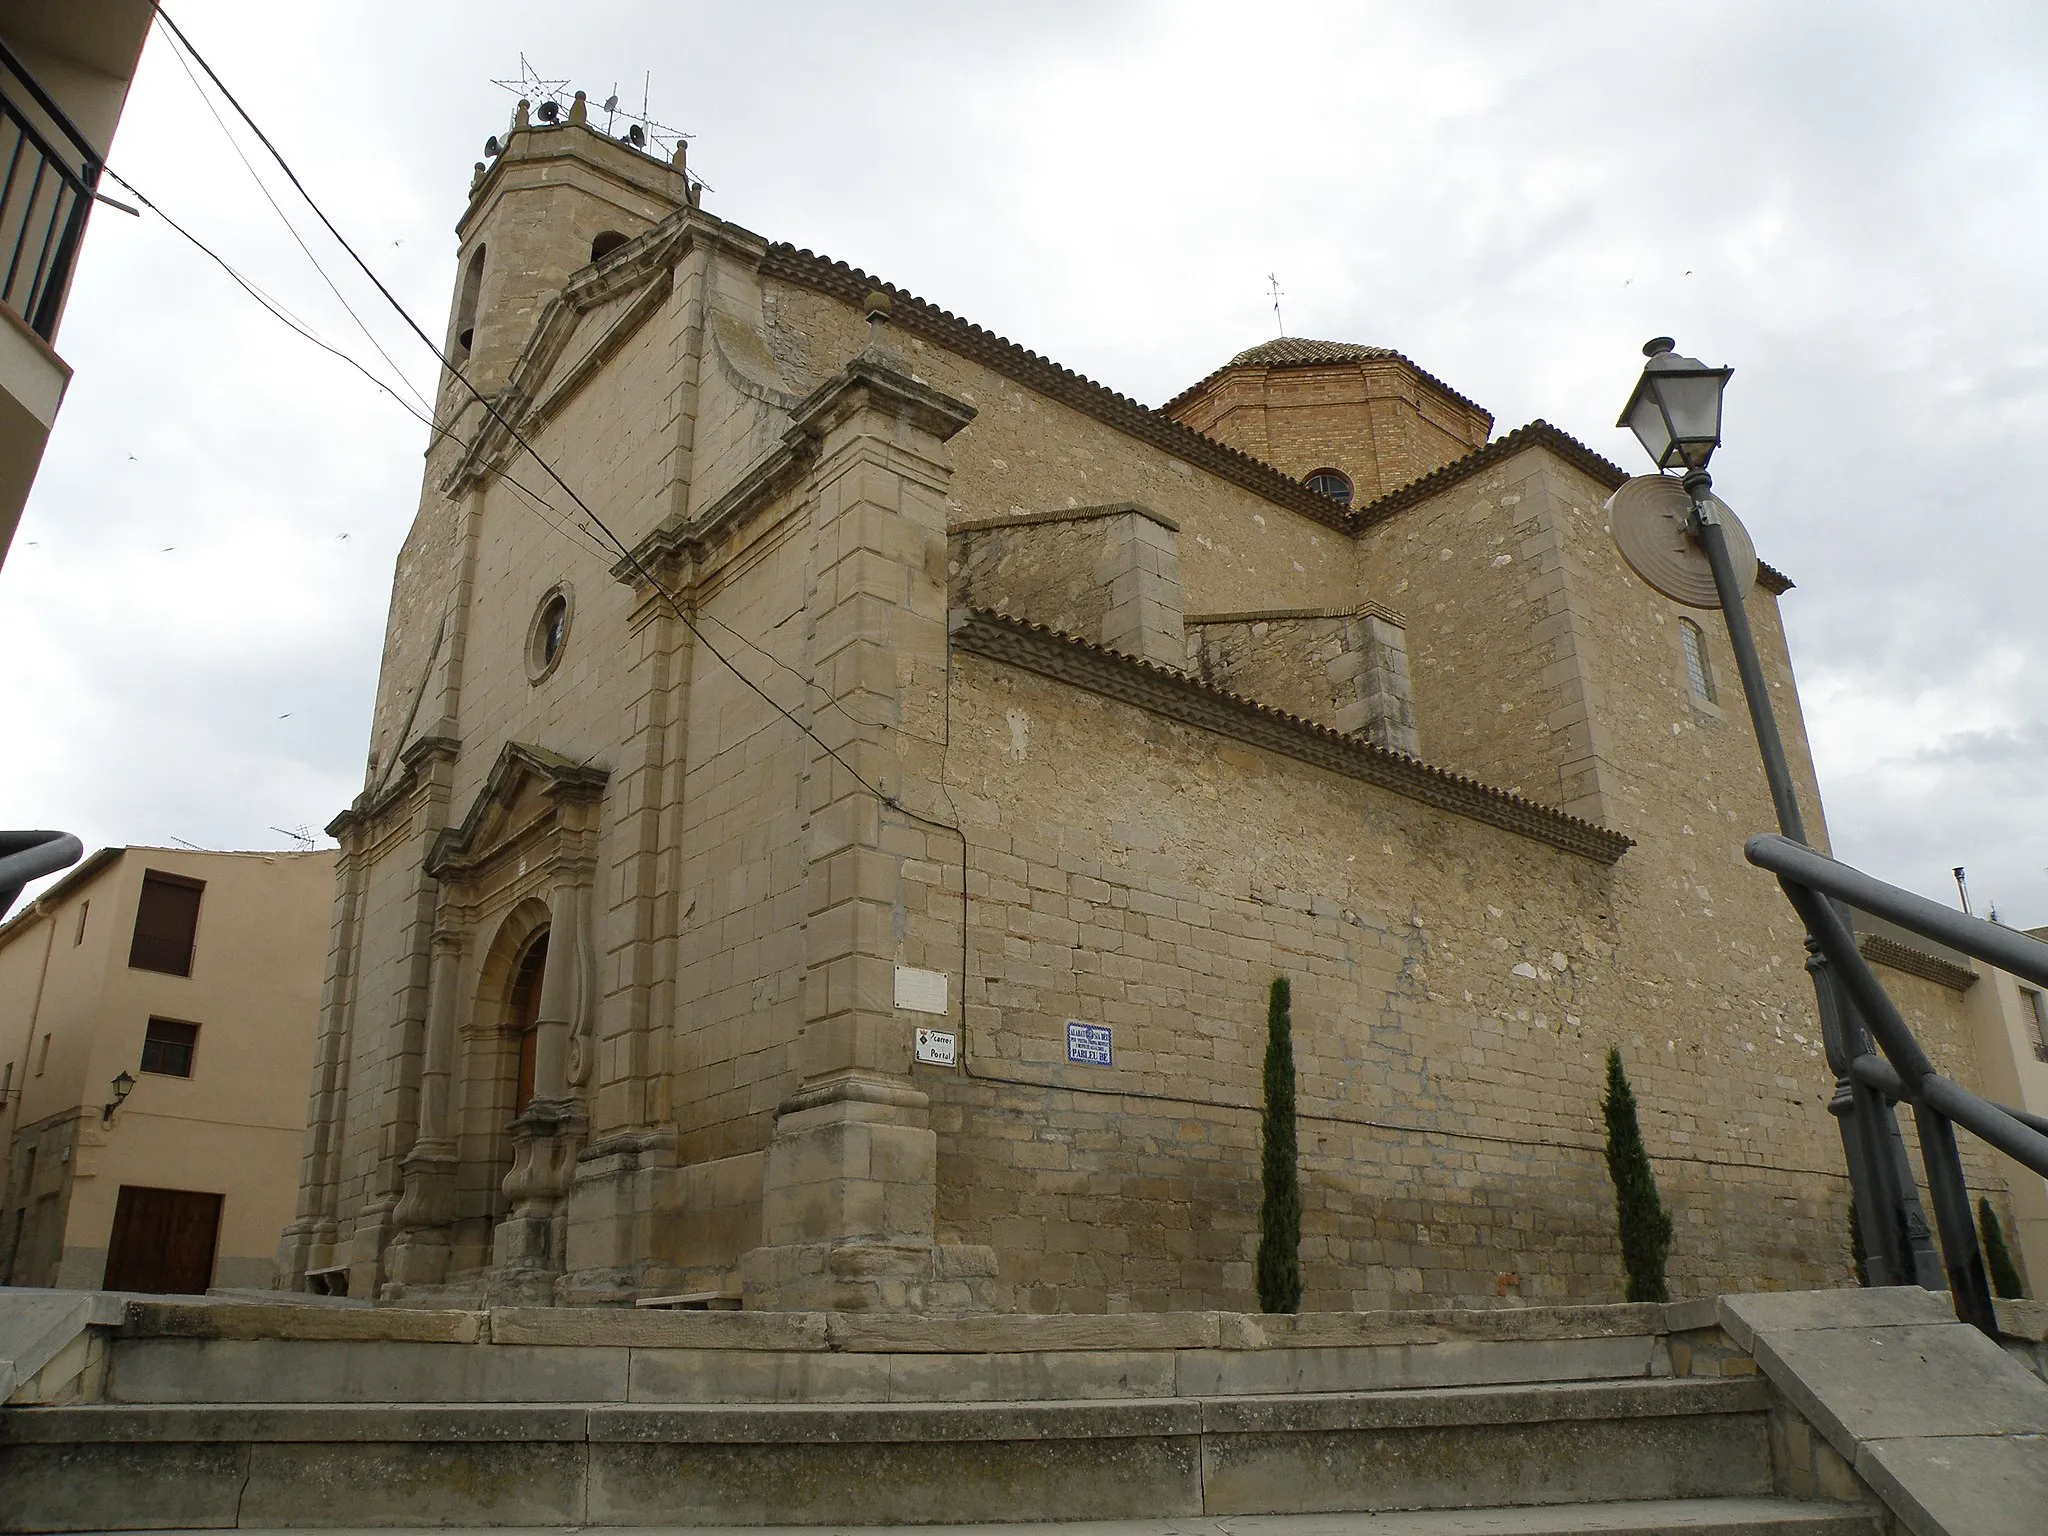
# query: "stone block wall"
(1109, 575)
(1348, 671)
(1456, 989)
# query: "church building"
(860, 886)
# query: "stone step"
(118, 1467)
(1651, 1517)
(174, 1370)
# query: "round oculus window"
(550, 633)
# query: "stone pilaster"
(850, 1187)
(624, 1203)
(1382, 709)
(308, 1243)
(1142, 572)
(419, 1253)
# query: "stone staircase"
(209, 1413)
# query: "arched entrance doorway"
(523, 1017)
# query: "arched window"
(523, 1017)
(1697, 672)
(606, 243)
(465, 307)
(1333, 483)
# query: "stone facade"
(944, 689)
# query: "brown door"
(163, 1241)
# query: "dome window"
(1333, 483)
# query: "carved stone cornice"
(1172, 695)
(370, 808)
(868, 381)
(1879, 950)
(563, 780)
(874, 380)
(683, 544)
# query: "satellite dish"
(611, 102)
(1649, 516)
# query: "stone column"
(418, 1255)
(850, 1183)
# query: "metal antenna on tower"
(1274, 279)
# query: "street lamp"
(122, 1086)
(1675, 412)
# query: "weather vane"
(1273, 278)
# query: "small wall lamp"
(123, 1086)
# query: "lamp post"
(1675, 413)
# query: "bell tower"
(554, 196)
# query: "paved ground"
(1723, 1517)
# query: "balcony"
(44, 197)
(48, 172)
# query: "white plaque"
(920, 991)
(935, 1046)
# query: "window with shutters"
(169, 1046)
(166, 922)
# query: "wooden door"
(163, 1241)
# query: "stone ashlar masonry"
(845, 499)
(1346, 670)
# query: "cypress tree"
(1279, 1265)
(1645, 1224)
(2005, 1275)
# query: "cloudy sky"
(1844, 202)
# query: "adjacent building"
(64, 73)
(865, 891)
(157, 1013)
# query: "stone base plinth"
(848, 1199)
(862, 1275)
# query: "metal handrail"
(1993, 943)
(45, 197)
(26, 856)
(87, 154)
(1917, 1081)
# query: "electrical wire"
(292, 229)
(589, 541)
(491, 408)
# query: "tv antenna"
(638, 129)
(1273, 280)
(301, 834)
